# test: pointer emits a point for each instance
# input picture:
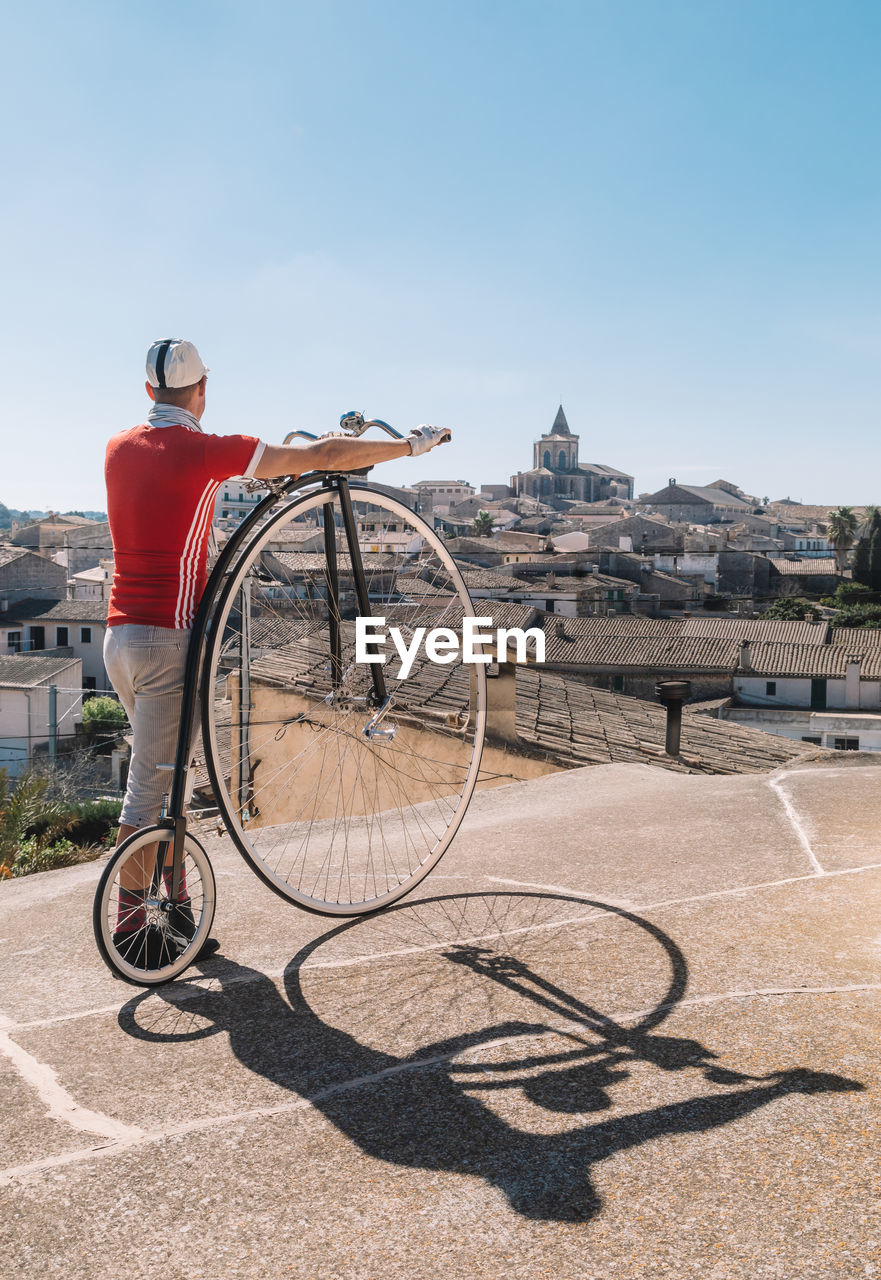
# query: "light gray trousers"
(146, 668)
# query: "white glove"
(424, 437)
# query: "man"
(162, 480)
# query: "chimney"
(745, 658)
(852, 664)
(672, 694)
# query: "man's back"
(162, 481)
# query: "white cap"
(174, 362)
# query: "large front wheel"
(341, 802)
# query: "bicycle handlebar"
(352, 423)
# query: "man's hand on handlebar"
(424, 437)
(345, 453)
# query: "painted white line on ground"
(623, 903)
(275, 975)
(776, 785)
(767, 884)
(697, 897)
(60, 1105)
(7, 1024)
(134, 1137)
(784, 772)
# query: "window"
(36, 637)
(618, 684)
(814, 741)
(85, 635)
(89, 682)
(771, 688)
(846, 744)
(13, 640)
(61, 636)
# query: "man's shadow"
(427, 1109)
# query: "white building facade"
(39, 695)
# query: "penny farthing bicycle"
(339, 784)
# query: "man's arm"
(337, 453)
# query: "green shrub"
(22, 805)
(852, 593)
(847, 593)
(792, 609)
(85, 823)
(103, 716)
(32, 856)
(867, 616)
(38, 834)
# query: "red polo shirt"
(162, 482)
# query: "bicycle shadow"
(446, 1106)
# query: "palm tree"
(868, 516)
(841, 528)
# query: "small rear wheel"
(144, 936)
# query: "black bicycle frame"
(175, 818)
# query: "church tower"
(557, 474)
(557, 450)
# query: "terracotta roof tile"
(767, 629)
(577, 723)
(646, 652)
(814, 568)
(57, 611)
(859, 639)
(24, 671)
(796, 660)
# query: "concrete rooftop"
(629, 1027)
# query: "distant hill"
(10, 514)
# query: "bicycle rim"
(149, 944)
(336, 811)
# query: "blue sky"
(665, 213)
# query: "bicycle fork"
(178, 825)
(381, 698)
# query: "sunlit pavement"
(628, 1027)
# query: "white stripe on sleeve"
(248, 473)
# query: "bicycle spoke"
(333, 812)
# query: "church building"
(557, 473)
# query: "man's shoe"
(183, 927)
(147, 948)
(180, 920)
(153, 947)
(208, 948)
